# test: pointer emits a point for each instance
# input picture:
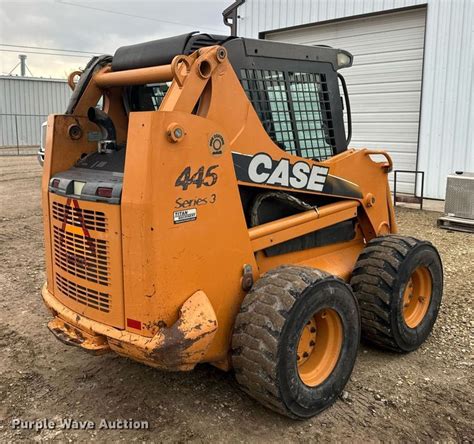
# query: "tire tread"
(373, 280)
(257, 331)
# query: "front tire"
(295, 340)
(398, 282)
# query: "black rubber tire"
(379, 279)
(267, 332)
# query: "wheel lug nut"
(305, 355)
(312, 343)
(313, 330)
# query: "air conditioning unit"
(459, 203)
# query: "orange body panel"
(61, 153)
(167, 275)
(164, 262)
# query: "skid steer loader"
(201, 205)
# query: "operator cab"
(294, 90)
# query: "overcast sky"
(95, 26)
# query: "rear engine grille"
(86, 254)
(86, 296)
(82, 256)
(89, 219)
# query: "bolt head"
(75, 132)
(175, 132)
(221, 54)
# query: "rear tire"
(295, 340)
(398, 282)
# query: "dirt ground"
(425, 395)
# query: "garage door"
(384, 82)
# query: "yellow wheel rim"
(417, 296)
(319, 347)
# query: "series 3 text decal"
(198, 201)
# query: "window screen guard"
(294, 108)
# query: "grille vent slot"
(89, 219)
(86, 296)
(82, 256)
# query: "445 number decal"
(201, 177)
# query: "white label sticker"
(182, 216)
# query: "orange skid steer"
(201, 204)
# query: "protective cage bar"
(140, 76)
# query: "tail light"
(104, 192)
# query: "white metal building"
(25, 103)
(411, 84)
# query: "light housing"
(344, 59)
(104, 192)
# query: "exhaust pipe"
(107, 127)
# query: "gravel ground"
(425, 395)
